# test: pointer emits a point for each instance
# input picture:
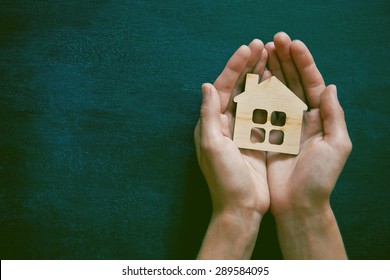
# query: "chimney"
(252, 80)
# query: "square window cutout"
(257, 135)
(276, 137)
(278, 118)
(259, 116)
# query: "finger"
(312, 81)
(210, 113)
(261, 63)
(335, 128)
(256, 47)
(282, 46)
(273, 63)
(227, 80)
(266, 75)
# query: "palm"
(291, 178)
(237, 176)
(309, 177)
(251, 170)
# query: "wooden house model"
(268, 116)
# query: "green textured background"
(99, 99)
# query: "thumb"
(210, 112)
(335, 128)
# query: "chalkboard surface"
(99, 99)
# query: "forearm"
(230, 236)
(310, 235)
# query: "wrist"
(303, 211)
(305, 219)
(231, 235)
(310, 234)
(244, 221)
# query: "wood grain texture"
(271, 96)
(99, 99)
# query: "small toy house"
(268, 116)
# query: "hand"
(300, 186)
(237, 179)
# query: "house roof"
(271, 92)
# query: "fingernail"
(205, 89)
(335, 92)
(208, 89)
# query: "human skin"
(300, 186)
(237, 179)
(244, 184)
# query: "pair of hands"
(245, 184)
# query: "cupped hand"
(305, 182)
(237, 179)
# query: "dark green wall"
(99, 99)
